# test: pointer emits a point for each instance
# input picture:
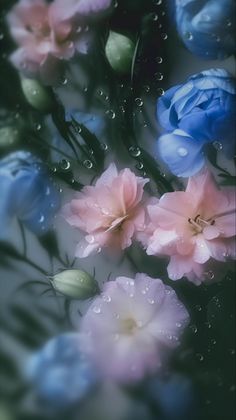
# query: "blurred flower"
(193, 227)
(129, 328)
(11, 130)
(60, 373)
(207, 27)
(36, 95)
(94, 123)
(26, 192)
(109, 212)
(119, 52)
(174, 396)
(47, 33)
(201, 111)
(76, 284)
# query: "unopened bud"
(75, 284)
(37, 95)
(119, 52)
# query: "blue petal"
(61, 375)
(182, 154)
(27, 192)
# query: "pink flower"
(48, 33)
(110, 212)
(128, 329)
(193, 227)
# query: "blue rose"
(26, 193)
(201, 111)
(175, 397)
(207, 27)
(60, 374)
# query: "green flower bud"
(75, 284)
(37, 95)
(119, 52)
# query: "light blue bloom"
(207, 27)
(200, 111)
(26, 193)
(175, 397)
(60, 373)
(94, 123)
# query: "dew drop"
(159, 76)
(138, 101)
(217, 145)
(111, 114)
(97, 309)
(64, 164)
(200, 357)
(87, 163)
(188, 36)
(106, 298)
(134, 151)
(182, 151)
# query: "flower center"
(128, 326)
(198, 223)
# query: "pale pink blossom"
(111, 212)
(47, 33)
(128, 330)
(193, 227)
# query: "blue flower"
(174, 397)
(26, 193)
(207, 27)
(201, 111)
(94, 123)
(60, 373)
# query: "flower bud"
(37, 95)
(119, 52)
(75, 284)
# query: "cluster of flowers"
(128, 328)
(47, 34)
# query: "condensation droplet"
(182, 151)
(87, 163)
(134, 151)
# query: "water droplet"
(159, 76)
(193, 328)
(104, 146)
(159, 60)
(134, 151)
(164, 36)
(155, 17)
(87, 163)
(139, 102)
(188, 36)
(106, 298)
(178, 324)
(97, 309)
(111, 114)
(38, 127)
(151, 301)
(160, 91)
(64, 81)
(65, 164)
(198, 308)
(90, 239)
(139, 165)
(41, 218)
(182, 151)
(218, 146)
(200, 357)
(147, 88)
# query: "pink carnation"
(110, 212)
(193, 227)
(127, 330)
(47, 33)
